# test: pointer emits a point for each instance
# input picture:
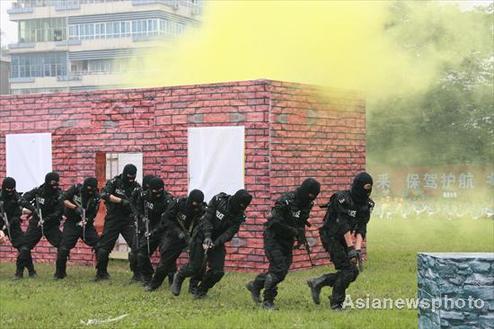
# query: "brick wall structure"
(292, 131)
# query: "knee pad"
(270, 281)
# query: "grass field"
(390, 273)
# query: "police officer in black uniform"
(145, 182)
(10, 214)
(346, 220)
(219, 224)
(46, 205)
(285, 226)
(175, 230)
(81, 203)
(150, 204)
(120, 219)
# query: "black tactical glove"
(125, 203)
(352, 255)
(301, 235)
(78, 211)
(360, 261)
(207, 243)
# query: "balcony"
(45, 46)
(19, 10)
(76, 8)
(21, 80)
(75, 79)
(70, 77)
(22, 45)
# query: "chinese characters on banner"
(447, 182)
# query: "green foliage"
(451, 120)
(390, 273)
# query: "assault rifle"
(39, 213)
(146, 223)
(5, 219)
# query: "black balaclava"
(129, 174)
(240, 201)
(145, 182)
(194, 201)
(89, 186)
(308, 191)
(8, 183)
(156, 187)
(361, 187)
(51, 182)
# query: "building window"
(39, 65)
(99, 66)
(122, 29)
(41, 30)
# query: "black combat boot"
(146, 280)
(170, 278)
(18, 276)
(176, 286)
(102, 265)
(268, 305)
(316, 284)
(19, 269)
(30, 266)
(199, 293)
(337, 307)
(100, 276)
(60, 268)
(193, 285)
(255, 292)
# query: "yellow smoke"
(341, 44)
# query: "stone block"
(464, 284)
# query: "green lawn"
(390, 273)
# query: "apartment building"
(66, 45)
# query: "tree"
(452, 120)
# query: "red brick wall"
(292, 132)
(315, 133)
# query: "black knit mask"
(157, 187)
(52, 182)
(90, 186)
(8, 187)
(194, 202)
(240, 201)
(308, 191)
(361, 187)
(129, 174)
(145, 182)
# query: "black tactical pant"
(72, 232)
(170, 249)
(346, 271)
(144, 266)
(279, 252)
(31, 238)
(196, 267)
(115, 225)
(16, 237)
